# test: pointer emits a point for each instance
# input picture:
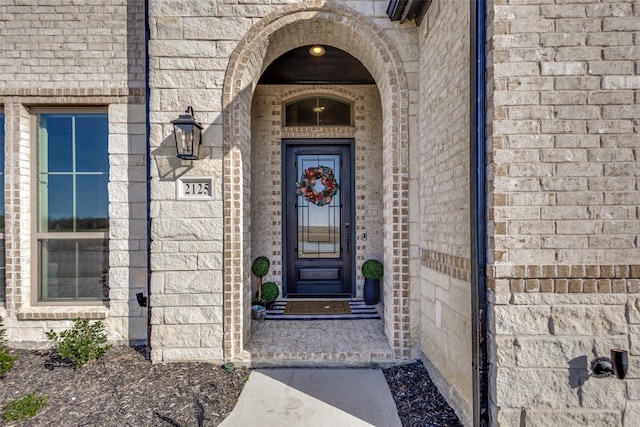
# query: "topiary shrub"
(84, 342)
(270, 291)
(260, 268)
(26, 406)
(372, 269)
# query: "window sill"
(62, 313)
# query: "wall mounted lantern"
(617, 365)
(188, 134)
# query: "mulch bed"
(125, 389)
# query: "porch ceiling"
(297, 66)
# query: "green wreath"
(306, 186)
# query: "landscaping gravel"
(419, 402)
(125, 389)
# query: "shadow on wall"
(578, 371)
(137, 262)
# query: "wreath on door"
(306, 186)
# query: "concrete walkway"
(315, 397)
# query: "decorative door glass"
(319, 221)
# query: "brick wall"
(57, 53)
(371, 41)
(267, 134)
(563, 208)
(442, 289)
(59, 44)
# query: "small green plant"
(3, 340)
(372, 269)
(84, 342)
(270, 291)
(26, 406)
(6, 360)
(260, 268)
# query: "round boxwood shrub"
(270, 291)
(372, 269)
(260, 266)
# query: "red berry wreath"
(306, 186)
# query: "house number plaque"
(195, 188)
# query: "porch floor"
(318, 343)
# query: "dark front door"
(318, 217)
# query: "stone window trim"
(62, 313)
(34, 308)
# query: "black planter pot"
(371, 291)
(269, 304)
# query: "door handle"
(347, 236)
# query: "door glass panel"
(319, 226)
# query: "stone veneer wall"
(57, 54)
(564, 211)
(267, 134)
(441, 291)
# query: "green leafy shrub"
(3, 340)
(372, 269)
(260, 266)
(84, 342)
(270, 291)
(27, 406)
(6, 360)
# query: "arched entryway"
(298, 25)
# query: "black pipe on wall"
(478, 209)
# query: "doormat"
(317, 307)
(359, 311)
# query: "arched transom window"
(318, 111)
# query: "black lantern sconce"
(607, 367)
(188, 134)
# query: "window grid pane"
(72, 175)
(73, 269)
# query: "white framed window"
(71, 214)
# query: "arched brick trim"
(294, 25)
(311, 90)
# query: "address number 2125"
(196, 188)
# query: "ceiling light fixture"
(316, 50)
(318, 109)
